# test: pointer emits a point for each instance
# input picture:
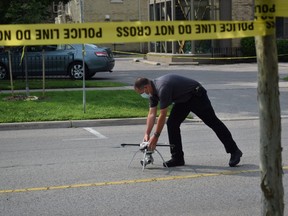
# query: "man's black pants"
(201, 106)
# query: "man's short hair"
(141, 82)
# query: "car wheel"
(76, 70)
(3, 72)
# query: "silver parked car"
(63, 60)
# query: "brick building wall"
(117, 10)
(126, 10)
(107, 11)
(241, 10)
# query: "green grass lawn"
(68, 105)
(56, 83)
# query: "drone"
(147, 154)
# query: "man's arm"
(150, 122)
(160, 124)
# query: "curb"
(100, 123)
(71, 124)
(151, 62)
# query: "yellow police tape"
(281, 8)
(123, 32)
(275, 8)
(126, 32)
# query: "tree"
(270, 123)
(4, 5)
(26, 11)
(32, 11)
(270, 127)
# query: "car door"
(33, 55)
(57, 59)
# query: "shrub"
(248, 48)
(282, 48)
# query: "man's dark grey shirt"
(172, 88)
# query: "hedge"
(248, 48)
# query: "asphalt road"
(213, 76)
(84, 171)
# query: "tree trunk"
(270, 127)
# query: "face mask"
(145, 95)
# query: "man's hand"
(146, 138)
(152, 143)
(144, 145)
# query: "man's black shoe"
(174, 162)
(235, 158)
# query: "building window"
(116, 1)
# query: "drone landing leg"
(144, 156)
(162, 158)
(133, 158)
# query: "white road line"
(81, 139)
(96, 133)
